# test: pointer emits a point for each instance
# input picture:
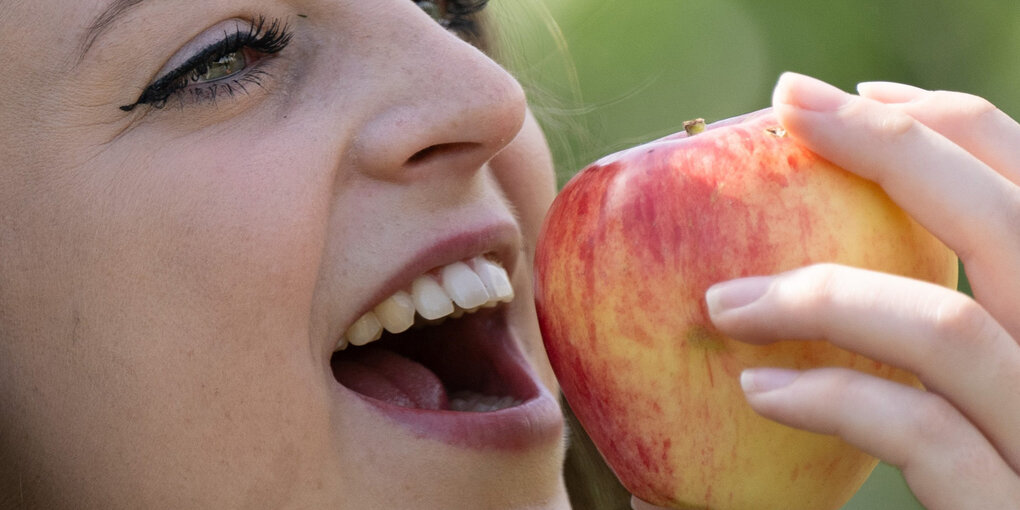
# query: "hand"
(952, 161)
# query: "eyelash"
(269, 39)
(261, 37)
(455, 15)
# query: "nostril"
(434, 151)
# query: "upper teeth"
(455, 289)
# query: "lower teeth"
(472, 402)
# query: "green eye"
(227, 65)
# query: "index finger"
(949, 191)
(969, 121)
(959, 198)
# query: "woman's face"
(174, 282)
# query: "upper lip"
(500, 241)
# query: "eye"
(223, 67)
(457, 16)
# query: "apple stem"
(694, 127)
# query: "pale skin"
(952, 161)
(173, 282)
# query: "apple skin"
(624, 258)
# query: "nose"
(447, 107)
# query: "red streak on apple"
(625, 256)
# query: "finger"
(948, 190)
(889, 92)
(956, 196)
(967, 120)
(945, 460)
(954, 347)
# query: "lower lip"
(536, 422)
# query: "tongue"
(392, 378)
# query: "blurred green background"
(607, 74)
(603, 75)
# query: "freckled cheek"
(524, 171)
(269, 237)
(235, 232)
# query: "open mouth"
(441, 357)
(454, 366)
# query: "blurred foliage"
(607, 74)
(603, 75)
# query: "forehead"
(106, 12)
(70, 25)
(55, 10)
(25, 20)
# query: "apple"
(624, 258)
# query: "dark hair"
(590, 482)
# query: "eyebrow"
(103, 21)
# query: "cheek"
(211, 256)
(525, 172)
(171, 288)
(245, 231)
(232, 244)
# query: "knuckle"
(895, 124)
(885, 122)
(962, 322)
(817, 284)
(965, 106)
(935, 421)
(838, 393)
(823, 277)
(842, 381)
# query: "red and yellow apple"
(624, 258)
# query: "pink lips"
(535, 422)
(538, 420)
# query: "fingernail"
(760, 380)
(734, 294)
(808, 93)
(890, 92)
